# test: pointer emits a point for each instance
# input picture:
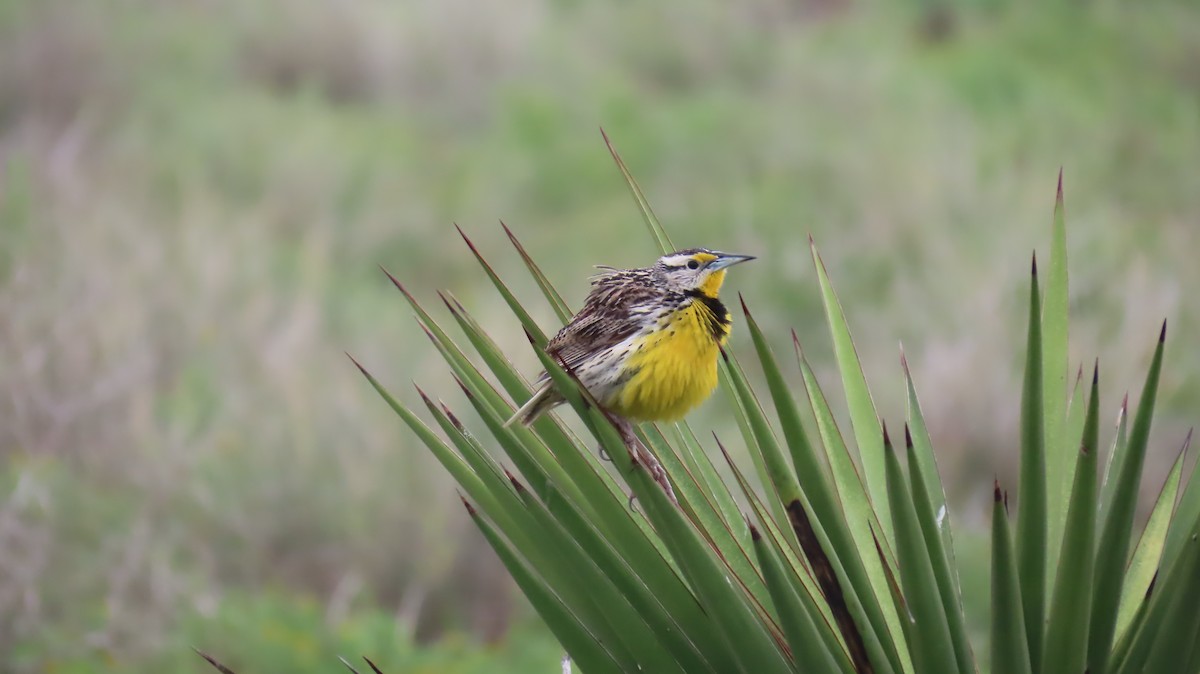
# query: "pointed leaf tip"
(462, 385)
(887, 441)
(908, 441)
(1162, 336)
(357, 364)
(453, 419)
(745, 309)
(421, 393)
(1096, 373)
(796, 344)
(213, 661)
(754, 535)
(515, 482)
(447, 302)
(515, 242)
(467, 504)
(467, 239)
(374, 668)
(1059, 196)
(1033, 266)
(721, 446)
(399, 286)
(996, 496)
(428, 333)
(904, 362)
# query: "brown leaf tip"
(466, 238)
(754, 535)
(996, 495)
(1059, 195)
(467, 504)
(427, 331)
(1033, 265)
(724, 355)
(887, 441)
(515, 482)
(908, 443)
(357, 364)
(466, 391)
(447, 302)
(213, 661)
(396, 282)
(453, 419)
(1162, 336)
(745, 309)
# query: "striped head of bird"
(695, 270)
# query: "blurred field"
(196, 195)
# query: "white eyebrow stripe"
(676, 260)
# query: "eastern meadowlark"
(645, 343)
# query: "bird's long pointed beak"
(727, 260)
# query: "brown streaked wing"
(605, 319)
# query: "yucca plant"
(839, 556)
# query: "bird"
(646, 342)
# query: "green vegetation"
(195, 195)
(821, 568)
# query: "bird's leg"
(645, 456)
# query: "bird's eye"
(692, 264)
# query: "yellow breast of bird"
(674, 366)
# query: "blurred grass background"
(196, 194)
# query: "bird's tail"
(545, 399)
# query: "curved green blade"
(583, 647)
(1146, 558)
(1010, 645)
(932, 648)
(1062, 449)
(656, 229)
(1066, 631)
(940, 558)
(863, 418)
(808, 647)
(1031, 516)
(1118, 525)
